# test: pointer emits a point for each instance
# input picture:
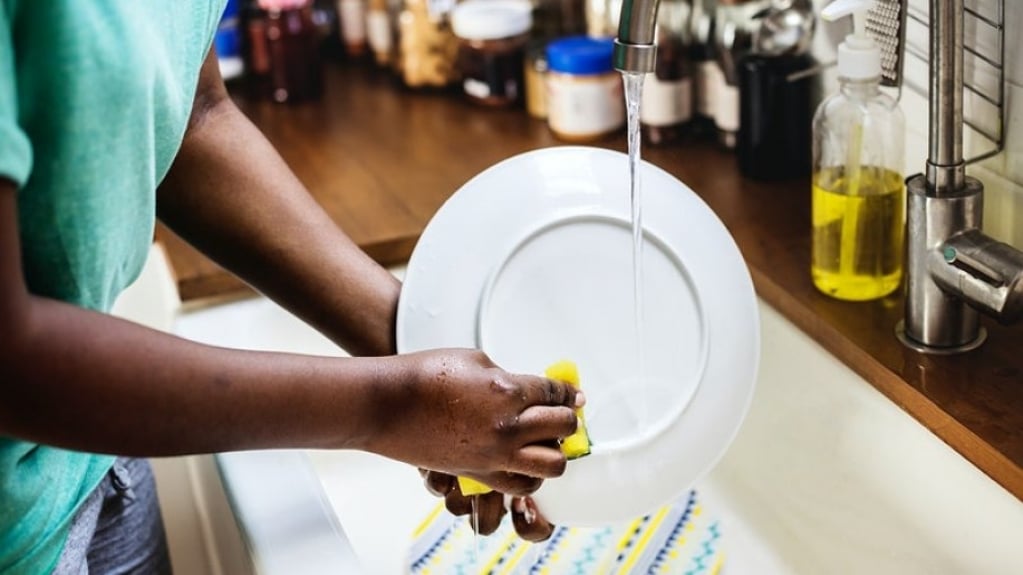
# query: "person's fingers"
(544, 391)
(528, 522)
(513, 483)
(437, 483)
(489, 509)
(457, 503)
(542, 424)
(536, 460)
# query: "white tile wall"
(1003, 174)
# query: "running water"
(476, 529)
(633, 97)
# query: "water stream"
(633, 96)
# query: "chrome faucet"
(634, 49)
(953, 270)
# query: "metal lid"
(491, 19)
(581, 55)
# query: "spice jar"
(492, 44)
(584, 93)
(427, 46)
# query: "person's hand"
(458, 413)
(490, 508)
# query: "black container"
(777, 99)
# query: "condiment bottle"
(428, 48)
(493, 36)
(352, 14)
(734, 21)
(668, 92)
(293, 47)
(858, 211)
(585, 99)
(380, 32)
(706, 71)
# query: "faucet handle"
(985, 272)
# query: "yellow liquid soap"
(858, 231)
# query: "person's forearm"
(82, 380)
(230, 194)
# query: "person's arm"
(74, 378)
(231, 195)
(78, 379)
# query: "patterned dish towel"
(681, 538)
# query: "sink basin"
(826, 476)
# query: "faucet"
(634, 48)
(953, 270)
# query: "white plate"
(531, 261)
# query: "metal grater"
(886, 24)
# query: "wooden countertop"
(382, 160)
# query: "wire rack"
(983, 69)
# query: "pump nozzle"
(859, 58)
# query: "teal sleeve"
(15, 147)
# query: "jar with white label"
(667, 104)
(492, 46)
(585, 100)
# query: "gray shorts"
(118, 530)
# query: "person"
(113, 114)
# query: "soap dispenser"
(858, 197)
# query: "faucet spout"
(635, 50)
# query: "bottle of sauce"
(667, 104)
(493, 35)
(292, 41)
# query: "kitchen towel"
(681, 538)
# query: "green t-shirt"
(94, 101)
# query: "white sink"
(826, 476)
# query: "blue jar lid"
(580, 55)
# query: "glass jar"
(585, 99)
(428, 48)
(295, 65)
(668, 92)
(493, 36)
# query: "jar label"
(666, 102)
(585, 107)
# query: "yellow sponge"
(574, 446)
(578, 444)
(472, 487)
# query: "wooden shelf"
(382, 160)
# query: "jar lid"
(491, 19)
(581, 55)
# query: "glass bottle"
(668, 92)
(858, 211)
(428, 48)
(293, 48)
